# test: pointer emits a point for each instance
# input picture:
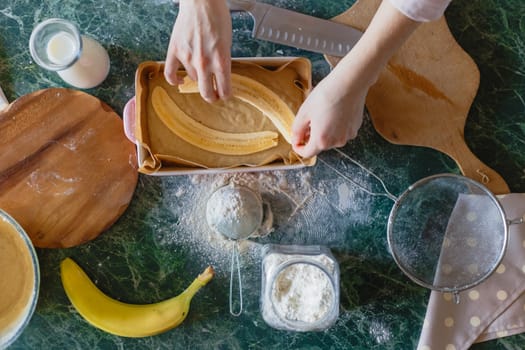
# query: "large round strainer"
(446, 232)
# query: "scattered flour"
(296, 210)
(187, 199)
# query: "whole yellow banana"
(127, 320)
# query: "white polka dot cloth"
(493, 309)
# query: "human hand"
(201, 42)
(330, 116)
(333, 113)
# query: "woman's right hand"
(201, 41)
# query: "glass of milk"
(57, 45)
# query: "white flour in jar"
(302, 292)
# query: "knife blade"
(283, 26)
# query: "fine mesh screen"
(447, 232)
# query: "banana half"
(204, 137)
(258, 95)
(126, 320)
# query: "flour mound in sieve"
(235, 212)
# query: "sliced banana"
(204, 137)
(258, 95)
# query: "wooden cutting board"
(423, 96)
(67, 171)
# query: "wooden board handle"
(472, 167)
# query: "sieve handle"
(386, 193)
(456, 297)
(516, 221)
(235, 263)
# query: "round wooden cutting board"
(67, 171)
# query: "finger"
(223, 82)
(307, 150)
(206, 88)
(302, 140)
(301, 137)
(191, 72)
(170, 70)
(172, 63)
(300, 129)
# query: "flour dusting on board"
(298, 210)
(52, 182)
(72, 142)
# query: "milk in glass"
(79, 60)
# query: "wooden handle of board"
(471, 166)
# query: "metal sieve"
(236, 212)
(446, 232)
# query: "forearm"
(386, 33)
(333, 113)
(203, 8)
(421, 10)
(201, 2)
(201, 41)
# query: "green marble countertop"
(159, 244)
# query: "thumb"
(170, 71)
(300, 129)
(307, 150)
(301, 137)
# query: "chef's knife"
(295, 29)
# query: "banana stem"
(199, 282)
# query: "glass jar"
(300, 287)
(57, 45)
